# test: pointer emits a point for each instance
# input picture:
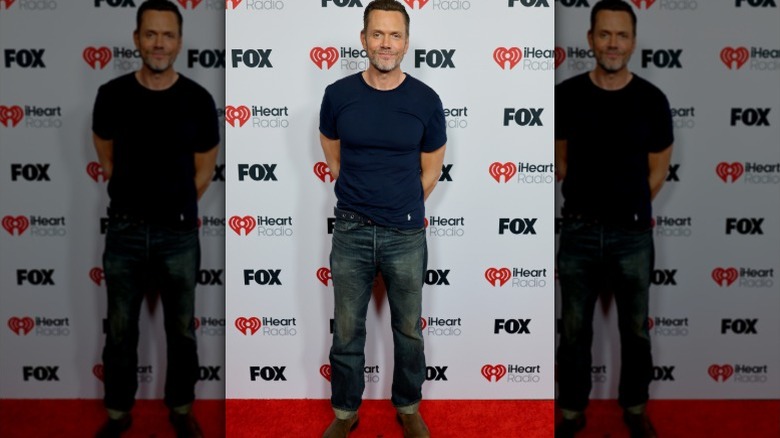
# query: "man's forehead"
(612, 18)
(390, 16)
(158, 19)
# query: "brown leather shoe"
(115, 428)
(185, 425)
(414, 426)
(341, 428)
(639, 425)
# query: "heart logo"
(734, 56)
(21, 326)
(325, 372)
(725, 276)
(252, 324)
(504, 55)
(720, 373)
(246, 223)
(500, 275)
(493, 373)
(326, 56)
(11, 115)
(235, 114)
(97, 55)
(505, 170)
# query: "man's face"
(612, 40)
(385, 40)
(158, 39)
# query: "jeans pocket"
(573, 226)
(179, 230)
(408, 231)
(343, 226)
(120, 226)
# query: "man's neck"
(383, 80)
(610, 81)
(156, 81)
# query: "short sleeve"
(665, 127)
(561, 121)
(210, 125)
(328, 116)
(435, 135)
(102, 124)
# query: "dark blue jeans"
(592, 257)
(137, 257)
(359, 252)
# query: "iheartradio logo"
(324, 275)
(325, 372)
(196, 323)
(423, 323)
(95, 171)
(97, 276)
(97, 55)
(560, 56)
(324, 58)
(10, 116)
(720, 372)
(232, 4)
(500, 275)
(504, 55)
(193, 3)
(15, 223)
(505, 170)
(251, 324)
(420, 3)
(650, 323)
(729, 170)
(235, 114)
(734, 56)
(322, 171)
(493, 373)
(97, 371)
(725, 276)
(21, 326)
(7, 3)
(246, 223)
(638, 3)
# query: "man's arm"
(332, 150)
(105, 153)
(659, 168)
(204, 169)
(561, 149)
(430, 165)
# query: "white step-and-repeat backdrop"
(715, 295)
(55, 55)
(488, 302)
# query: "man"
(613, 146)
(156, 134)
(383, 135)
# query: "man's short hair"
(385, 5)
(158, 5)
(612, 5)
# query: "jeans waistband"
(351, 216)
(591, 220)
(173, 222)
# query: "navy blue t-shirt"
(155, 135)
(609, 136)
(382, 134)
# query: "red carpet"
(308, 418)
